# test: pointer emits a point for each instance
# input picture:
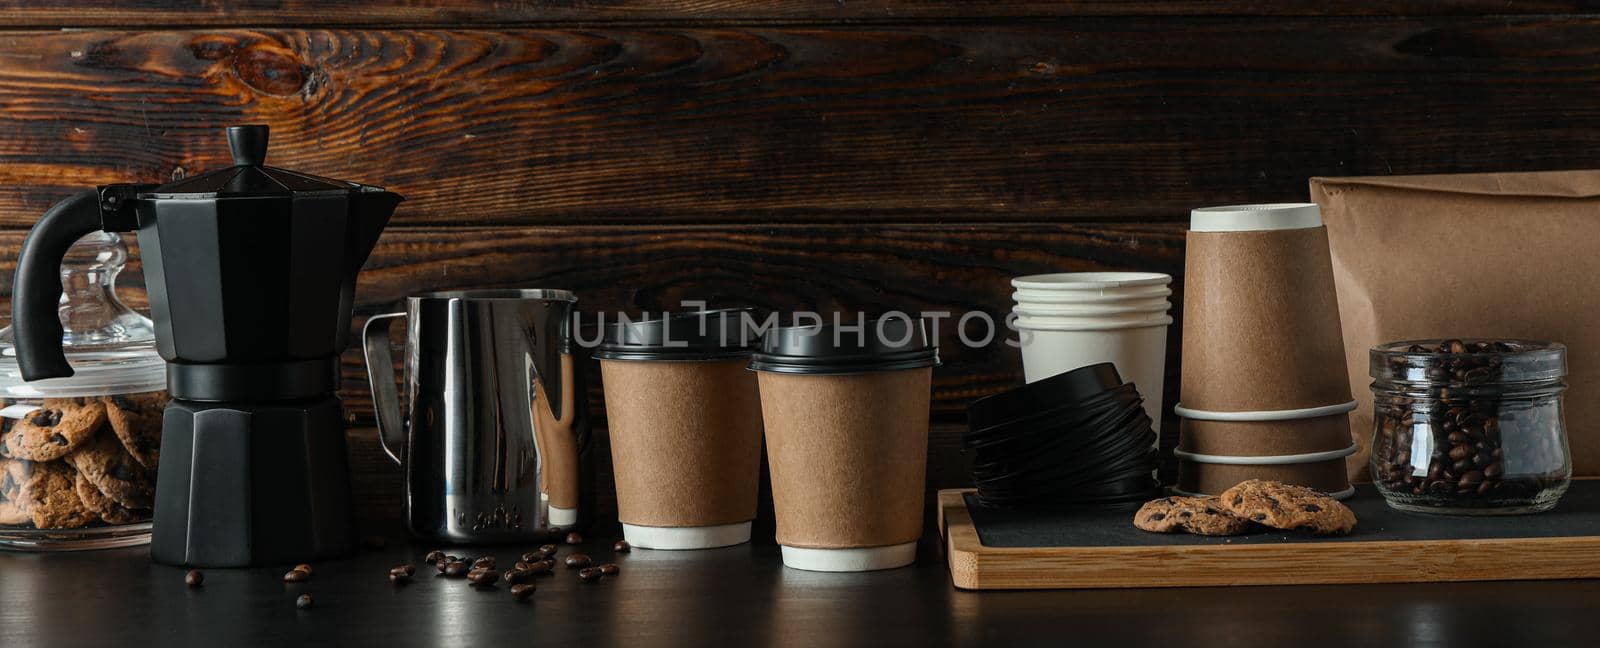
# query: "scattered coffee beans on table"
(522, 592)
(578, 560)
(590, 574)
(610, 569)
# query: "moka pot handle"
(36, 288)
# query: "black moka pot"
(251, 272)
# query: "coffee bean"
(304, 602)
(486, 561)
(303, 567)
(404, 570)
(296, 576)
(574, 538)
(483, 577)
(610, 569)
(532, 556)
(434, 556)
(399, 579)
(622, 546)
(194, 578)
(455, 569)
(578, 560)
(522, 592)
(548, 550)
(541, 568)
(589, 574)
(518, 576)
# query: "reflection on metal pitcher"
(497, 445)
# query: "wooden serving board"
(989, 549)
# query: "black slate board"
(1578, 514)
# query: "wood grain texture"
(842, 268)
(974, 566)
(129, 13)
(1123, 118)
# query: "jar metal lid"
(718, 334)
(885, 344)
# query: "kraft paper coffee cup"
(1261, 320)
(846, 416)
(684, 415)
(1210, 479)
(1265, 438)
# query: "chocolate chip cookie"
(13, 473)
(55, 429)
(1286, 506)
(136, 418)
(1197, 515)
(108, 509)
(51, 499)
(111, 469)
(11, 513)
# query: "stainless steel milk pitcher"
(496, 444)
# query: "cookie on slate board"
(51, 499)
(108, 509)
(111, 469)
(1286, 506)
(55, 429)
(136, 419)
(1197, 515)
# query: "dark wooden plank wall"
(832, 156)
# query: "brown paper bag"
(1477, 255)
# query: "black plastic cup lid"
(1056, 391)
(887, 344)
(718, 334)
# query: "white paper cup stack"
(1075, 319)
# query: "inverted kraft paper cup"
(685, 426)
(1261, 320)
(1265, 438)
(847, 442)
(1210, 479)
(1139, 353)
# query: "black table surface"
(739, 596)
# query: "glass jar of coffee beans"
(1470, 427)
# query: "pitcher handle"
(380, 377)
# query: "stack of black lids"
(1075, 441)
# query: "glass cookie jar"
(1470, 427)
(78, 455)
